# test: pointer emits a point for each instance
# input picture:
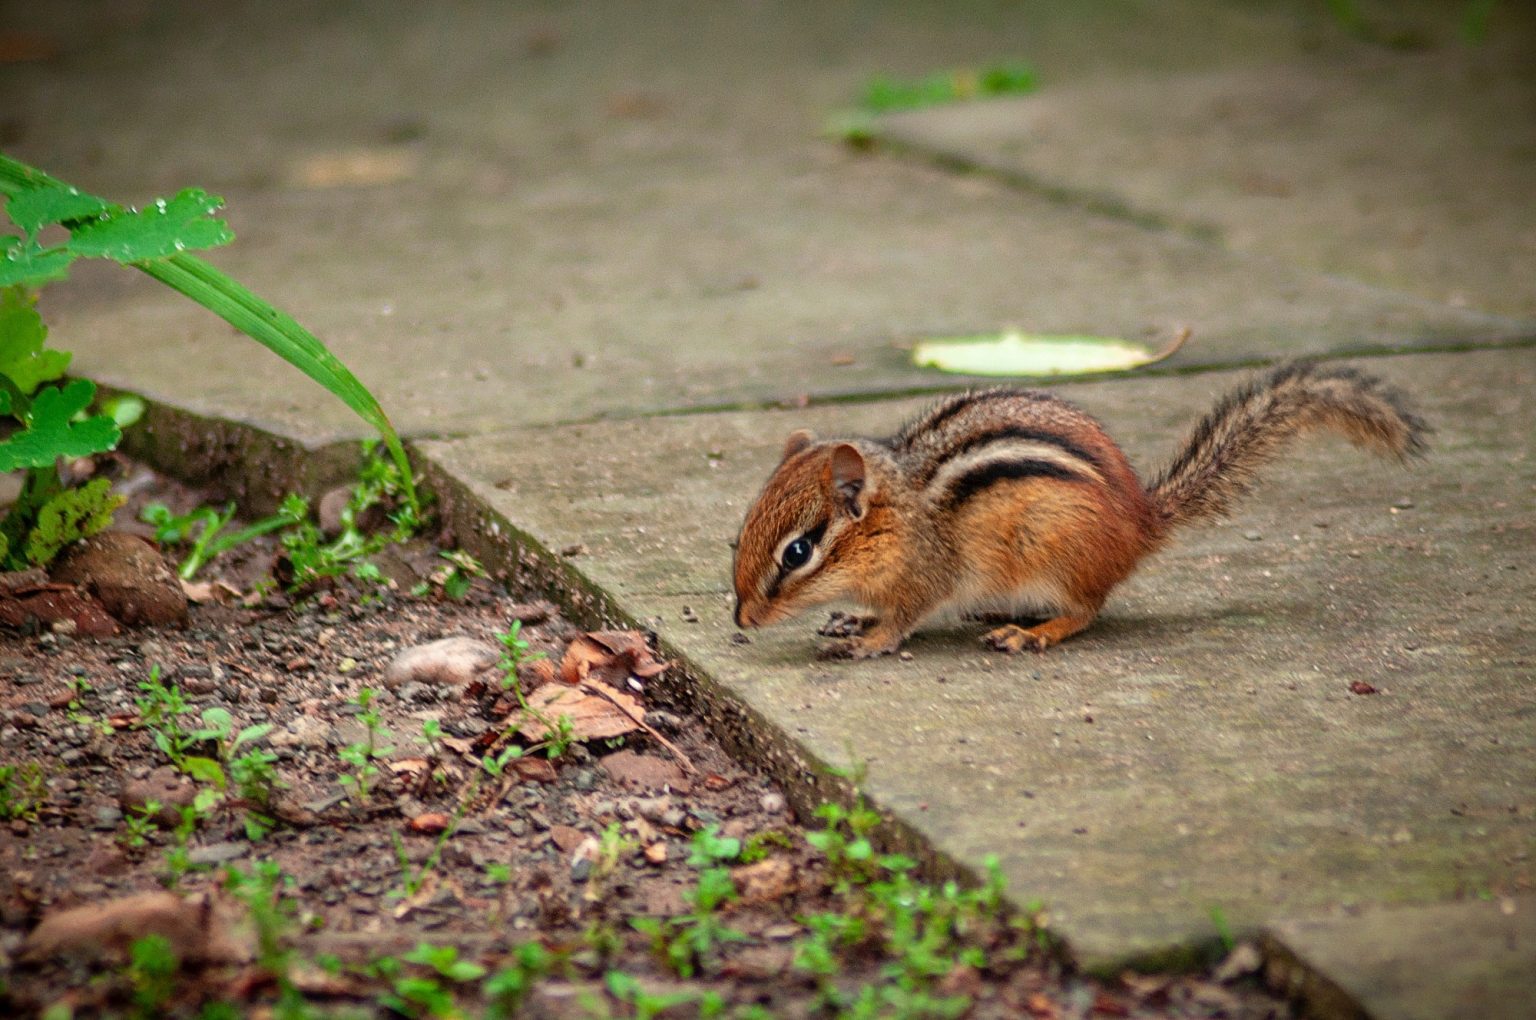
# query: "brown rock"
(566, 837)
(451, 661)
(196, 929)
(128, 576)
(164, 786)
(644, 772)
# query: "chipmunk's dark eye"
(796, 553)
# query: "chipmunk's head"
(786, 554)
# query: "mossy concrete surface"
(1199, 756)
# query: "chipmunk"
(1016, 501)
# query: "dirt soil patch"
(500, 861)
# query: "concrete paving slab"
(515, 215)
(1199, 749)
(1415, 171)
(1388, 951)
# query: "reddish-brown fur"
(1015, 500)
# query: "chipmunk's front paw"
(842, 625)
(867, 646)
(1013, 639)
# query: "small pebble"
(1252, 536)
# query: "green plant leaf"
(1013, 353)
(51, 434)
(36, 208)
(27, 262)
(167, 226)
(22, 333)
(69, 516)
(204, 770)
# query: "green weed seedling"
(261, 890)
(160, 712)
(139, 825)
(463, 569)
(202, 530)
(380, 484)
(430, 994)
(151, 971)
(514, 652)
(23, 791)
(178, 859)
(626, 988)
(884, 94)
(361, 756)
(507, 988)
(692, 940)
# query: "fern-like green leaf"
(22, 333)
(165, 227)
(50, 203)
(24, 261)
(52, 434)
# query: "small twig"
(682, 759)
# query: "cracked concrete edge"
(1305, 984)
(254, 466)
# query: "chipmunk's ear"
(798, 440)
(847, 470)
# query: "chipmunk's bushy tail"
(1218, 462)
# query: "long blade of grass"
(279, 333)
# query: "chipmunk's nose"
(741, 619)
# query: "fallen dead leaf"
(431, 824)
(593, 709)
(656, 853)
(612, 656)
(203, 592)
(411, 765)
(535, 770)
(1361, 687)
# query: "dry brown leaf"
(431, 824)
(656, 853)
(408, 765)
(612, 656)
(203, 592)
(534, 770)
(593, 709)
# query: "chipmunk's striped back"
(967, 443)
